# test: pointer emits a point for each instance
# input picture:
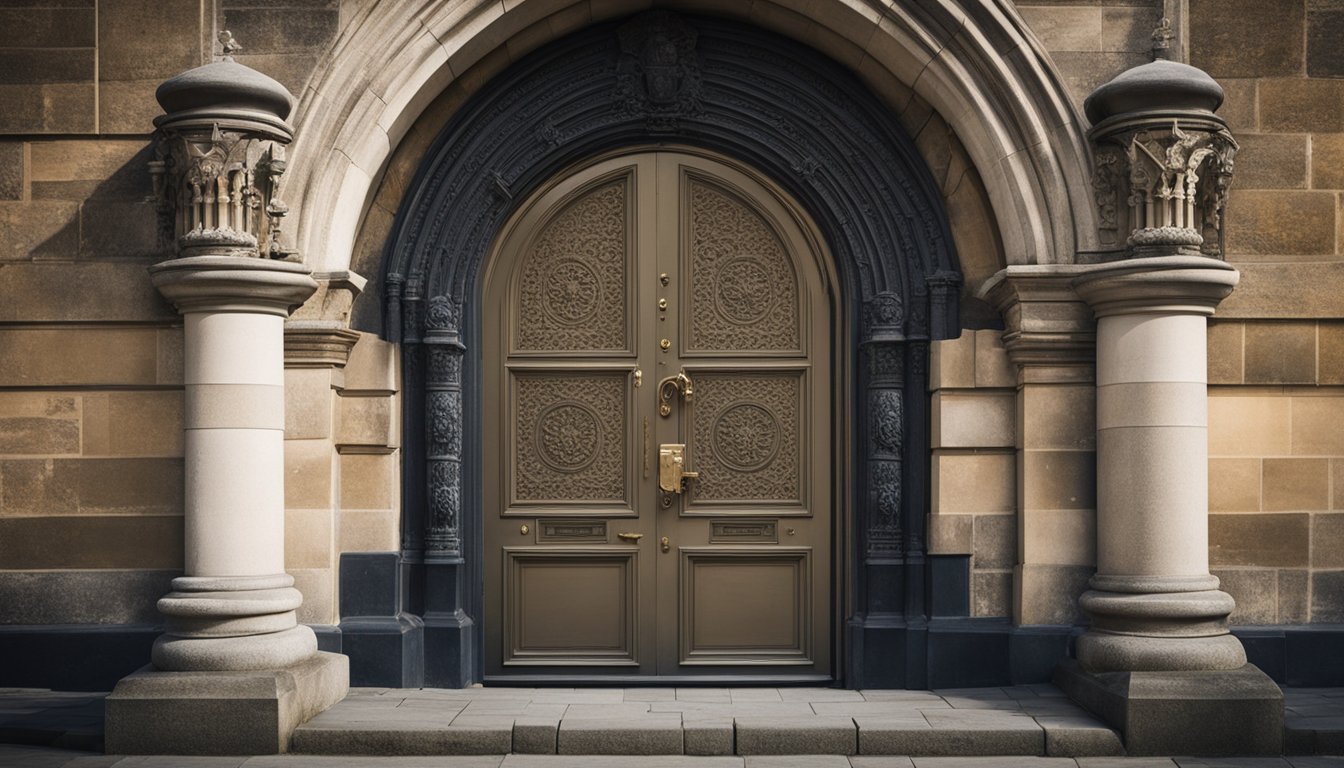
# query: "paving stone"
(880, 761)
(708, 695)
(1125, 762)
(650, 694)
(618, 761)
(882, 736)
(925, 697)
(796, 736)
(746, 695)
(711, 736)
(797, 761)
(350, 761)
(993, 762)
(621, 711)
(816, 695)
(647, 735)
(535, 736)
(871, 708)
(410, 739)
(1079, 736)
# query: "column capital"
(1169, 285)
(233, 284)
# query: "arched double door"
(658, 428)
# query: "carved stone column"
(234, 672)
(1157, 660)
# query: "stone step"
(448, 725)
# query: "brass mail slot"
(572, 531)
(743, 532)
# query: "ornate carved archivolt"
(659, 77)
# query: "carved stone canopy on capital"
(1164, 160)
(219, 159)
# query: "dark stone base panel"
(958, 653)
(73, 657)
(1223, 712)
(1307, 656)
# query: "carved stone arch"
(973, 61)
(792, 114)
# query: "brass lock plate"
(672, 472)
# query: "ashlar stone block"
(1271, 161)
(1248, 425)
(1316, 421)
(1278, 540)
(1280, 353)
(974, 420)
(1246, 38)
(1296, 484)
(1282, 223)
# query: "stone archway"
(746, 93)
(973, 61)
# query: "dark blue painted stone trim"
(964, 653)
(791, 113)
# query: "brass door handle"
(630, 536)
(669, 388)
(672, 472)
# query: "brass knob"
(666, 544)
(523, 529)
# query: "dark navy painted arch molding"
(785, 109)
(792, 114)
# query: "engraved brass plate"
(743, 532)
(572, 531)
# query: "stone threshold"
(1034, 720)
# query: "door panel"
(745, 606)
(746, 434)
(571, 442)
(743, 294)
(679, 270)
(545, 623)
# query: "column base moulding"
(1205, 712)
(221, 713)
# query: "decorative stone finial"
(1162, 37)
(1163, 159)
(220, 155)
(228, 45)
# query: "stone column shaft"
(234, 421)
(1153, 605)
(234, 608)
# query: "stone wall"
(90, 388)
(1276, 347)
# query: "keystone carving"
(658, 73)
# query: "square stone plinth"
(1214, 712)
(221, 713)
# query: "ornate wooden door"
(658, 451)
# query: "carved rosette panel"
(573, 282)
(571, 437)
(746, 437)
(744, 293)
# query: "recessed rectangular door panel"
(745, 606)
(748, 441)
(571, 446)
(571, 607)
